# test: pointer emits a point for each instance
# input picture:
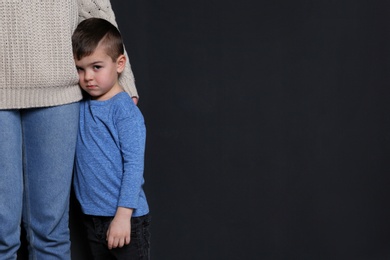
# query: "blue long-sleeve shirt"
(109, 160)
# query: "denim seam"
(26, 205)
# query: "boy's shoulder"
(123, 99)
(123, 96)
(125, 106)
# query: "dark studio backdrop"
(268, 127)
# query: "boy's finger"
(120, 243)
(127, 240)
(109, 244)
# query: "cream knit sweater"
(36, 60)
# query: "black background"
(268, 127)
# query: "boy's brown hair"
(92, 32)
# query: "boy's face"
(98, 74)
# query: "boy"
(110, 148)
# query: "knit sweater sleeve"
(102, 9)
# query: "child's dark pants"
(138, 249)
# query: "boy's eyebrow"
(91, 64)
(95, 62)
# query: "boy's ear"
(120, 63)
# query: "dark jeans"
(138, 249)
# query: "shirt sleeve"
(102, 9)
(132, 135)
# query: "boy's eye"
(96, 67)
(79, 69)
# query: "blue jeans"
(37, 149)
(138, 249)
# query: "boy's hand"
(119, 231)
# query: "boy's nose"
(88, 76)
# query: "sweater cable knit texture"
(36, 60)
